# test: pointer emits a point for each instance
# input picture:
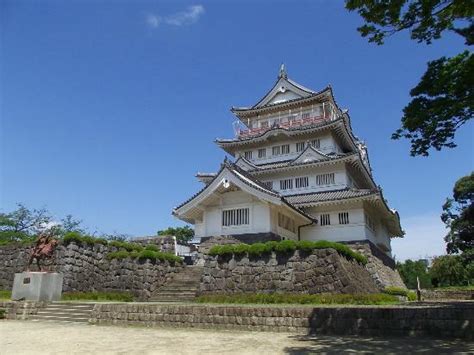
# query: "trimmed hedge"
(145, 254)
(285, 246)
(293, 298)
(78, 238)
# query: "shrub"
(285, 246)
(157, 255)
(259, 249)
(98, 296)
(152, 247)
(126, 245)
(72, 237)
(78, 238)
(291, 298)
(121, 254)
(396, 291)
(2, 314)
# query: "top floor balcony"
(287, 121)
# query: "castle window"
(235, 217)
(344, 218)
(325, 219)
(268, 184)
(305, 115)
(286, 222)
(286, 184)
(325, 179)
(276, 150)
(248, 155)
(262, 153)
(285, 149)
(300, 146)
(301, 182)
(316, 143)
(263, 124)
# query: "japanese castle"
(298, 173)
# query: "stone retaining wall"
(320, 271)
(20, 310)
(86, 268)
(447, 294)
(380, 266)
(446, 321)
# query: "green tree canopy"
(22, 224)
(444, 98)
(458, 215)
(182, 234)
(452, 270)
(410, 270)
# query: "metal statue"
(43, 250)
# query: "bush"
(285, 246)
(72, 237)
(152, 247)
(396, 291)
(78, 238)
(2, 314)
(98, 296)
(126, 245)
(291, 298)
(121, 254)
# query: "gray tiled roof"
(317, 197)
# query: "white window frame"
(326, 179)
(248, 154)
(325, 219)
(235, 217)
(286, 184)
(344, 218)
(300, 146)
(299, 180)
(260, 151)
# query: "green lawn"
(5, 295)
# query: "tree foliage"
(182, 234)
(410, 270)
(22, 224)
(443, 100)
(458, 215)
(452, 270)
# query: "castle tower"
(298, 173)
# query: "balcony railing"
(242, 133)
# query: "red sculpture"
(43, 249)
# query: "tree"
(22, 224)
(410, 270)
(450, 270)
(458, 215)
(444, 99)
(182, 234)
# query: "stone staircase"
(64, 312)
(183, 287)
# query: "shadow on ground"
(407, 345)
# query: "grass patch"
(5, 295)
(399, 291)
(290, 298)
(97, 296)
(285, 246)
(455, 288)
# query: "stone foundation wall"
(86, 268)
(380, 266)
(21, 310)
(448, 321)
(321, 271)
(466, 295)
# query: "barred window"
(344, 218)
(268, 184)
(300, 146)
(285, 149)
(325, 219)
(262, 153)
(316, 143)
(325, 179)
(301, 182)
(276, 150)
(248, 154)
(263, 124)
(305, 115)
(286, 222)
(235, 217)
(286, 184)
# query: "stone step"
(59, 318)
(65, 313)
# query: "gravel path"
(23, 337)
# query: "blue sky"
(109, 108)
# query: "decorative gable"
(310, 154)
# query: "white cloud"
(153, 20)
(182, 18)
(424, 238)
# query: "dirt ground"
(23, 337)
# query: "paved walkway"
(23, 337)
